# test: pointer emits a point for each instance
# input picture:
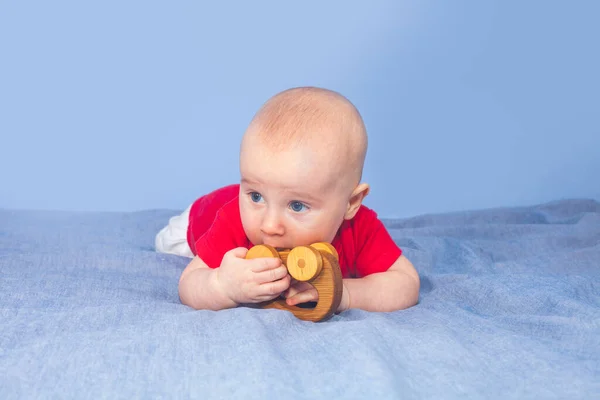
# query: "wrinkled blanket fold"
(509, 308)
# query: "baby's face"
(290, 198)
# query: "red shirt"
(215, 227)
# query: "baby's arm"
(235, 282)
(198, 287)
(395, 289)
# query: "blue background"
(122, 106)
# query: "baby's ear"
(356, 198)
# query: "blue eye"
(255, 196)
(297, 206)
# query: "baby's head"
(301, 162)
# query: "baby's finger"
(297, 287)
(275, 288)
(264, 263)
(290, 291)
(271, 275)
(303, 297)
(238, 252)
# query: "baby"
(301, 162)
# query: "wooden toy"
(317, 264)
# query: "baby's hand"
(300, 292)
(253, 280)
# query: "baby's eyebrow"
(248, 181)
(304, 196)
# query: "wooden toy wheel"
(317, 264)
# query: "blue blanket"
(509, 308)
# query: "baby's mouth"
(278, 247)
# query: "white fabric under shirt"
(172, 239)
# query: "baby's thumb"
(238, 252)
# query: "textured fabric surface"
(509, 308)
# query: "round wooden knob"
(326, 247)
(304, 263)
(261, 251)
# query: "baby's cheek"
(319, 233)
(251, 228)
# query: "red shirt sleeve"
(376, 251)
(215, 226)
(225, 233)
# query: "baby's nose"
(271, 225)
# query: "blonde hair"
(309, 115)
